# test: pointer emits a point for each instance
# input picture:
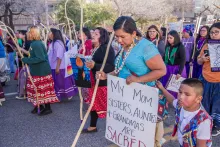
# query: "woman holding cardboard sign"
(211, 79)
(138, 61)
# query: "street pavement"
(20, 128)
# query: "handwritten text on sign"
(131, 114)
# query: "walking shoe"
(20, 97)
(215, 131)
(70, 98)
(89, 131)
(34, 111)
(47, 110)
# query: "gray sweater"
(161, 47)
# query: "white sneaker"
(70, 98)
(20, 97)
(2, 99)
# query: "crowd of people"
(145, 59)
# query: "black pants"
(94, 118)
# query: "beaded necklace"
(117, 67)
(94, 50)
(198, 49)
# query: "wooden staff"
(94, 93)
(68, 22)
(96, 85)
(194, 47)
(84, 51)
(15, 40)
(166, 26)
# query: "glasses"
(215, 32)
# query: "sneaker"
(215, 131)
(20, 97)
(2, 99)
(70, 98)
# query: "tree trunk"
(6, 14)
(11, 23)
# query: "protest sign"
(131, 114)
(81, 73)
(67, 55)
(177, 26)
(214, 53)
(173, 84)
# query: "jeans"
(11, 60)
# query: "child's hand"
(159, 85)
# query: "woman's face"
(203, 32)
(50, 36)
(152, 33)
(215, 33)
(186, 35)
(95, 36)
(170, 39)
(123, 38)
(83, 36)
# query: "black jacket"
(98, 58)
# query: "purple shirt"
(56, 51)
(189, 45)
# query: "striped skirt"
(45, 90)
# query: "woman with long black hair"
(64, 87)
(100, 39)
(175, 58)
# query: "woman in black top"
(175, 58)
(100, 39)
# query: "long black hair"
(164, 31)
(176, 36)
(199, 36)
(57, 35)
(104, 36)
(127, 24)
(86, 31)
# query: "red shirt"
(88, 47)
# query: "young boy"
(193, 123)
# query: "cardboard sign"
(214, 53)
(81, 73)
(131, 113)
(173, 84)
(67, 55)
(177, 26)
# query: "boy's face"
(188, 97)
